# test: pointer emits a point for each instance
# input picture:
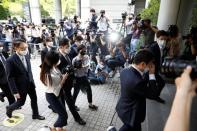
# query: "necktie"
(24, 62)
(3, 59)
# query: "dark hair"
(52, 57)
(63, 42)
(92, 10)
(143, 55)
(81, 47)
(17, 42)
(148, 21)
(161, 33)
(78, 38)
(173, 31)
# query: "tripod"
(122, 30)
(61, 31)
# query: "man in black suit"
(3, 80)
(131, 106)
(48, 47)
(21, 80)
(67, 87)
(74, 48)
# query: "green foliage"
(44, 13)
(152, 11)
(194, 15)
(68, 7)
(4, 12)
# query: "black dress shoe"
(8, 112)
(81, 122)
(160, 100)
(38, 117)
(93, 107)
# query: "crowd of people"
(77, 57)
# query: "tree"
(4, 11)
(152, 11)
(194, 15)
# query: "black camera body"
(78, 64)
(68, 69)
(124, 16)
(61, 23)
(174, 67)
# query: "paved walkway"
(105, 96)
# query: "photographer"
(119, 55)
(66, 67)
(103, 46)
(68, 28)
(148, 31)
(103, 23)
(81, 63)
(173, 45)
(128, 24)
(92, 21)
(190, 50)
(74, 47)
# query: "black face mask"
(83, 52)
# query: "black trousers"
(70, 102)
(58, 107)
(83, 84)
(126, 127)
(31, 91)
(7, 93)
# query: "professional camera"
(68, 69)
(124, 16)
(142, 25)
(102, 13)
(174, 67)
(78, 64)
(61, 23)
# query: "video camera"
(61, 23)
(124, 16)
(78, 64)
(68, 69)
(174, 67)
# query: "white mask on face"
(1, 49)
(161, 43)
(50, 44)
(67, 51)
(23, 53)
(146, 70)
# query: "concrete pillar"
(139, 6)
(78, 10)
(35, 11)
(57, 10)
(168, 13)
(174, 12)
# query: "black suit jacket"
(154, 48)
(43, 54)
(3, 76)
(64, 62)
(131, 106)
(18, 77)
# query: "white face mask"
(23, 53)
(161, 43)
(67, 51)
(146, 70)
(50, 44)
(1, 49)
